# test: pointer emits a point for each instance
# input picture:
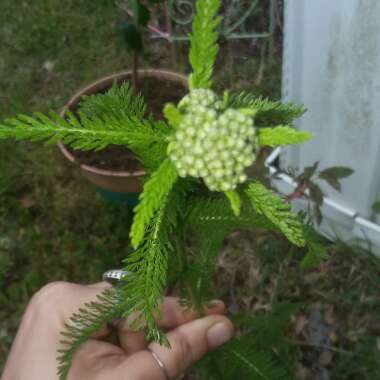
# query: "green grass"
(78, 39)
(54, 226)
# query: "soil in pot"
(117, 158)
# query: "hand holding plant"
(195, 193)
(39, 336)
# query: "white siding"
(332, 65)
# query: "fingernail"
(219, 334)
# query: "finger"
(189, 343)
(46, 315)
(93, 359)
(173, 314)
(59, 300)
(132, 342)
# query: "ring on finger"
(160, 363)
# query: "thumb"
(189, 343)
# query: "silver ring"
(160, 364)
(114, 276)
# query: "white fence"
(332, 65)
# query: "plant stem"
(135, 72)
(169, 30)
(185, 267)
(299, 192)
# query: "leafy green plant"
(309, 189)
(195, 193)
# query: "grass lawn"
(54, 226)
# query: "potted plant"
(115, 171)
(196, 189)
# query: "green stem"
(181, 251)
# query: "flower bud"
(211, 144)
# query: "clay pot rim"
(74, 99)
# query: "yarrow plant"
(196, 191)
(213, 142)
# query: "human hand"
(34, 351)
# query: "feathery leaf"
(316, 249)
(210, 221)
(204, 46)
(116, 117)
(86, 322)
(282, 135)
(205, 215)
(173, 114)
(156, 189)
(149, 265)
(235, 201)
(277, 211)
(267, 112)
(148, 140)
(120, 102)
(85, 134)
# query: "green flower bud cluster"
(211, 143)
(200, 97)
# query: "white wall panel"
(332, 65)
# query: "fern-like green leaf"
(204, 46)
(267, 112)
(139, 293)
(86, 322)
(207, 215)
(156, 189)
(84, 134)
(316, 249)
(235, 201)
(149, 265)
(116, 117)
(282, 135)
(147, 139)
(314, 255)
(173, 115)
(120, 102)
(210, 221)
(277, 211)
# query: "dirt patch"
(114, 157)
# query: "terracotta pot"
(114, 181)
